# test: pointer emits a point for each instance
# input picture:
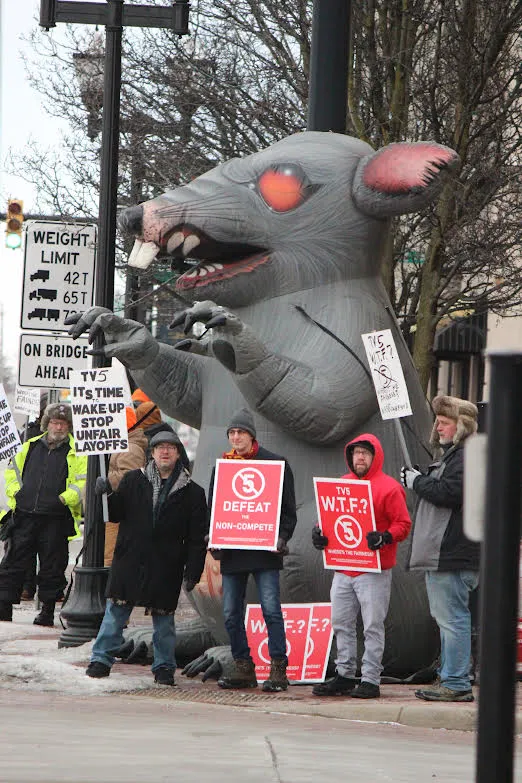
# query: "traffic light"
(14, 221)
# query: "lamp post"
(85, 607)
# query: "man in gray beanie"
(43, 484)
(238, 564)
(440, 548)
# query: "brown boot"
(277, 680)
(243, 676)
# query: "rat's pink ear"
(400, 178)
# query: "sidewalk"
(30, 660)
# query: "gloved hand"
(189, 584)
(102, 485)
(376, 540)
(408, 476)
(282, 547)
(318, 540)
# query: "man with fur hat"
(358, 591)
(44, 483)
(238, 564)
(162, 516)
(440, 548)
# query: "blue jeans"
(110, 636)
(234, 591)
(448, 594)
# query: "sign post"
(388, 380)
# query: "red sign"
(309, 637)
(345, 509)
(246, 504)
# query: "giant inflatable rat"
(289, 242)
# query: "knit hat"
(242, 420)
(147, 420)
(56, 410)
(463, 412)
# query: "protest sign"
(309, 635)
(246, 504)
(9, 438)
(387, 375)
(98, 408)
(27, 401)
(345, 509)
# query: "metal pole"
(500, 577)
(329, 55)
(85, 608)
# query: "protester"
(44, 484)
(238, 564)
(148, 417)
(119, 464)
(368, 592)
(162, 516)
(441, 549)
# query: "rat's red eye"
(282, 188)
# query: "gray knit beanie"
(242, 420)
(56, 410)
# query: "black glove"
(318, 540)
(102, 485)
(189, 584)
(282, 547)
(376, 540)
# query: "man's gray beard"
(56, 439)
(445, 441)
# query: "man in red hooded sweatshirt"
(367, 592)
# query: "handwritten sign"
(387, 375)
(27, 401)
(345, 510)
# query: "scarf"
(252, 454)
(160, 490)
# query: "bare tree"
(446, 70)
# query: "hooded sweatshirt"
(389, 501)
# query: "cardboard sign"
(246, 504)
(10, 441)
(387, 375)
(27, 402)
(309, 637)
(98, 407)
(345, 510)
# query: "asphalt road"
(47, 738)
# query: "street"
(135, 739)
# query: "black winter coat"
(241, 560)
(150, 560)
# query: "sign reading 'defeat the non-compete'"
(246, 504)
(47, 360)
(59, 265)
(98, 406)
(309, 634)
(387, 375)
(9, 438)
(345, 509)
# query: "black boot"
(46, 615)
(6, 612)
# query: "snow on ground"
(31, 660)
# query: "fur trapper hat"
(463, 412)
(56, 410)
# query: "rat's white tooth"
(191, 274)
(202, 271)
(175, 241)
(210, 267)
(146, 254)
(135, 250)
(190, 243)
(218, 266)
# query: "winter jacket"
(240, 560)
(438, 542)
(75, 474)
(389, 501)
(150, 560)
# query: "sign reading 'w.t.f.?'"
(387, 375)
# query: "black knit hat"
(242, 420)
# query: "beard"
(56, 438)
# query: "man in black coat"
(238, 564)
(440, 547)
(161, 544)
